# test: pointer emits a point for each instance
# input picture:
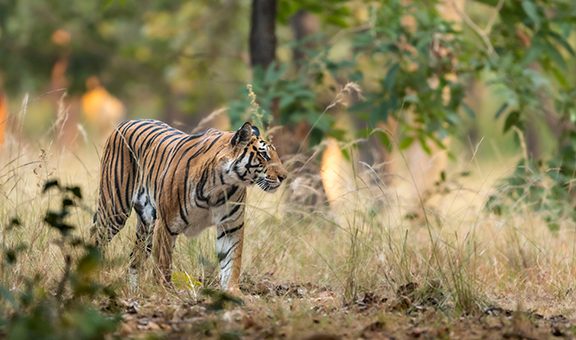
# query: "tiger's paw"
(235, 291)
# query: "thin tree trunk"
(263, 52)
(263, 33)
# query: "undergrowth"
(64, 309)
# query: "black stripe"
(172, 153)
(197, 135)
(226, 264)
(223, 256)
(199, 197)
(148, 139)
(136, 133)
(117, 168)
(230, 231)
(128, 132)
(123, 127)
(196, 154)
(232, 212)
(182, 210)
(159, 161)
(151, 140)
(226, 196)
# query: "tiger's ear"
(243, 135)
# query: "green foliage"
(420, 86)
(291, 95)
(423, 83)
(34, 311)
(532, 48)
(547, 189)
(532, 54)
(334, 12)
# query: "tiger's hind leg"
(117, 179)
(106, 225)
(143, 244)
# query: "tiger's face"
(255, 160)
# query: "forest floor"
(306, 311)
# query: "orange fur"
(182, 183)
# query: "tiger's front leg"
(229, 242)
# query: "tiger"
(180, 183)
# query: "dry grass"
(456, 260)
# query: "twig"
(65, 275)
(476, 29)
(492, 20)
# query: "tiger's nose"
(281, 177)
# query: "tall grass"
(458, 257)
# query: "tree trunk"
(263, 33)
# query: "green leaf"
(56, 220)
(390, 78)
(513, 119)
(424, 145)
(494, 205)
(66, 202)
(385, 140)
(335, 20)
(553, 54)
(500, 110)
(553, 226)
(560, 77)
(89, 262)
(50, 184)
(406, 142)
(532, 11)
(346, 154)
(75, 190)
(14, 223)
(560, 40)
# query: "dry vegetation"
(363, 270)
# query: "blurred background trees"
(434, 75)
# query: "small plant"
(545, 188)
(64, 311)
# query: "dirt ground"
(306, 311)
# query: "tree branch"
(481, 33)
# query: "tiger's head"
(254, 161)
